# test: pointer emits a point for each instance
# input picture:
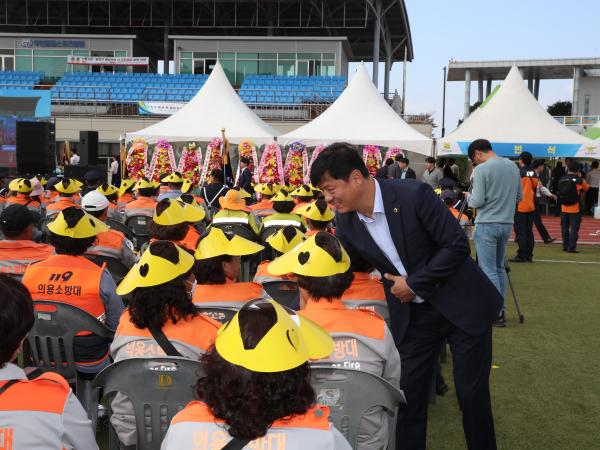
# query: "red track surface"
(589, 233)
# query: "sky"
(469, 30)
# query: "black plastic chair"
(119, 226)
(138, 226)
(221, 315)
(158, 388)
(284, 292)
(350, 393)
(115, 266)
(51, 345)
(43, 227)
(237, 229)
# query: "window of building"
(7, 59)
(586, 105)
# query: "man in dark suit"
(400, 169)
(245, 180)
(434, 289)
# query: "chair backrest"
(138, 226)
(284, 292)
(115, 266)
(222, 315)
(43, 227)
(116, 225)
(380, 307)
(158, 388)
(237, 229)
(51, 338)
(350, 393)
(268, 231)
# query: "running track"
(589, 233)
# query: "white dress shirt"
(74, 160)
(379, 230)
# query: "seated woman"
(302, 195)
(144, 204)
(67, 189)
(283, 204)
(217, 268)
(234, 210)
(264, 206)
(255, 388)
(281, 242)
(111, 193)
(318, 216)
(21, 194)
(362, 339)
(125, 193)
(42, 413)
(160, 300)
(171, 222)
(198, 214)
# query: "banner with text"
(159, 108)
(108, 60)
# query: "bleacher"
(19, 79)
(127, 87)
(291, 90)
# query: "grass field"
(545, 379)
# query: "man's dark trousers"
(472, 359)
(539, 224)
(569, 225)
(524, 232)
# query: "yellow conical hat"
(85, 227)
(107, 189)
(68, 186)
(279, 240)
(217, 243)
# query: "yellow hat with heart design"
(317, 210)
(107, 189)
(217, 243)
(125, 186)
(153, 270)
(14, 184)
(145, 183)
(285, 239)
(310, 260)
(265, 189)
(282, 196)
(68, 186)
(193, 210)
(77, 224)
(303, 190)
(290, 342)
(22, 185)
(186, 186)
(174, 177)
(174, 212)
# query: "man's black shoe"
(518, 259)
(500, 322)
(572, 251)
(549, 241)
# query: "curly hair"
(210, 270)
(249, 402)
(331, 287)
(168, 232)
(151, 307)
(70, 246)
(284, 207)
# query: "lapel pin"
(395, 210)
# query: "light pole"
(444, 105)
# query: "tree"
(560, 108)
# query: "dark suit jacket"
(410, 173)
(435, 253)
(395, 172)
(245, 180)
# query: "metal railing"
(583, 121)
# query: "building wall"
(589, 96)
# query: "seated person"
(160, 300)
(171, 222)
(144, 204)
(41, 413)
(217, 268)
(283, 204)
(111, 193)
(449, 198)
(302, 195)
(51, 194)
(125, 193)
(365, 290)
(17, 249)
(264, 206)
(318, 216)
(80, 282)
(110, 243)
(67, 189)
(362, 339)
(214, 190)
(233, 210)
(92, 180)
(246, 394)
(20, 190)
(193, 234)
(175, 182)
(281, 242)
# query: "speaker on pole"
(35, 148)
(88, 148)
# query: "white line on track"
(567, 262)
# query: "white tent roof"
(215, 106)
(360, 116)
(513, 121)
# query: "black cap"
(448, 194)
(14, 219)
(92, 175)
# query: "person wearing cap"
(256, 388)
(280, 242)
(125, 193)
(160, 286)
(234, 210)
(42, 413)
(21, 189)
(92, 181)
(17, 249)
(188, 187)
(283, 204)
(69, 277)
(318, 216)
(51, 194)
(192, 236)
(67, 189)
(145, 203)
(302, 195)
(175, 182)
(110, 243)
(171, 222)
(264, 207)
(526, 210)
(449, 198)
(111, 193)
(217, 268)
(362, 340)
(214, 190)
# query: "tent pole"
(376, 40)
(404, 80)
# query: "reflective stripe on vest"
(15, 256)
(108, 244)
(242, 220)
(234, 294)
(282, 223)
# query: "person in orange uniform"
(318, 216)
(302, 195)
(234, 211)
(67, 189)
(526, 210)
(42, 413)
(171, 222)
(362, 340)
(217, 268)
(145, 203)
(69, 277)
(570, 189)
(264, 207)
(125, 193)
(160, 300)
(111, 193)
(17, 249)
(448, 196)
(21, 189)
(193, 233)
(111, 243)
(256, 387)
(280, 242)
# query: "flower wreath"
(296, 163)
(372, 158)
(137, 157)
(393, 152)
(212, 159)
(163, 160)
(248, 149)
(318, 149)
(270, 169)
(190, 162)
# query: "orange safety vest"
(22, 199)
(190, 241)
(364, 287)
(228, 292)
(108, 243)
(455, 212)
(15, 256)
(142, 203)
(60, 204)
(529, 186)
(74, 280)
(263, 205)
(124, 200)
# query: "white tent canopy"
(360, 116)
(215, 106)
(514, 122)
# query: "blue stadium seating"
(19, 80)
(291, 90)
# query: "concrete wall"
(589, 86)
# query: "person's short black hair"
(573, 166)
(97, 214)
(249, 402)
(360, 264)
(151, 307)
(147, 192)
(538, 162)
(339, 160)
(430, 160)
(399, 157)
(284, 207)
(217, 176)
(594, 165)
(526, 157)
(16, 316)
(403, 159)
(245, 160)
(482, 145)
(210, 270)
(389, 162)
(331, 287)
(65, 245)
(451, 161)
